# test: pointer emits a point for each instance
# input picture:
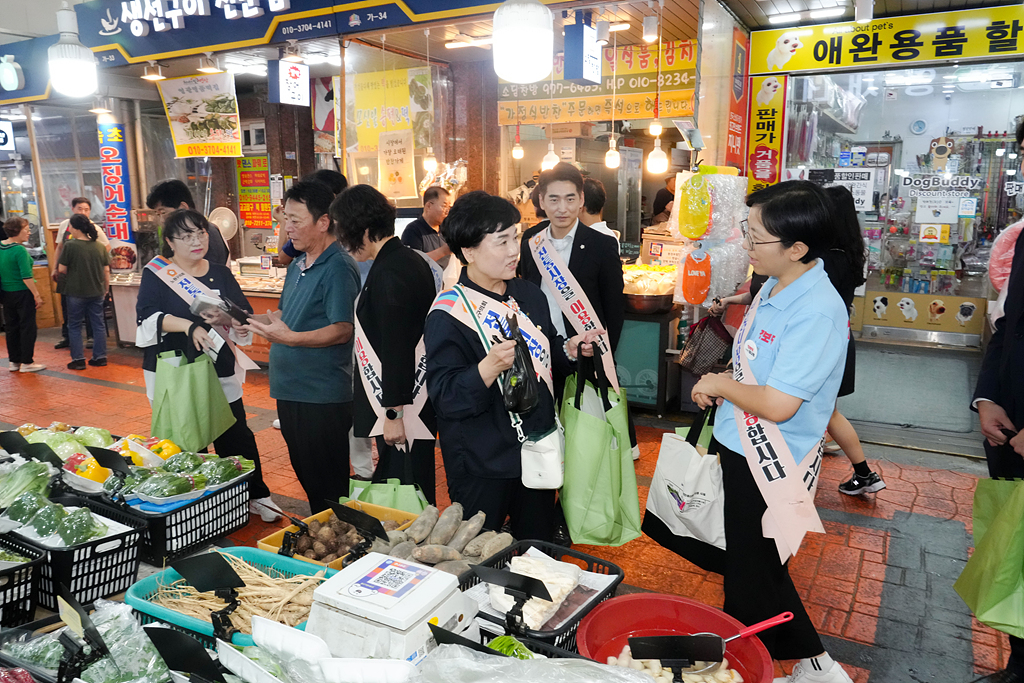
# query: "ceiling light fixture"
(208, 64)
(461, 40)
(621, 26)
(788, 18)
(612, 159)
(1000, 152)
(429, 161)
(517, 61)
(657, 160)
(603, 32)
(650, 28)
(153, 72)
(72, 65)
(827, 13)
(550, 159)
(656, 128)
(863, 11)
(102, 105)
(292, 53)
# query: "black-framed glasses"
(750, 243)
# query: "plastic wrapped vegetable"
(186, 462)
(94, 436)
(80, 526)
(46, 520)
(30, 476)
(164, 448)
(138, 475)
(134, 656)
(225, 469)
(168, 484)
(507, 645)
(63, 444)
(26, 505)
(15, 676)
(44, 652)
(27, 429)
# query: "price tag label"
(70, 616)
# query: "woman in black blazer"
(391, 310)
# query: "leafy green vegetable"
(186, 462)
(94, 436)
(63, 444)
(43, 652)
(225, 469)
(168, 484)
(265, 660)
(45, 521)
(30, 476)
(8, 556)
(507, 645)
(113, 486)
(80, 526)
(26, 505)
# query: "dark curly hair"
(362, 210)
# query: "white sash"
(571, 298)
(369, 373)
(786, 487)
(182, 284)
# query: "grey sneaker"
(858, 485)
(32, 367)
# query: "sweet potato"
(472, 559)
(330, 558)
(390, 525)
(320, 549)
(397, 537)
(447, 525)
(314, 527)
(467, 531)
(309, 554)
(456, 567)
(496, 545)
(476, 546)
(381, 546)
(303, 544)
(432, 554)
(403, 551)
(424, 524)
(327, 536)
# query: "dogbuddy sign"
(932, 312)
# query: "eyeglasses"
(194, 236)
(749, 241)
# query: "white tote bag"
(686, 490)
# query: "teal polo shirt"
(312, 298)
(797, 344)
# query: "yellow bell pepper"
(137, 438)
(90, 469)
(127, 452)
(165, 448)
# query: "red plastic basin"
(607, 629)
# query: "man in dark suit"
(999, 400)
(592, 258)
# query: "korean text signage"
(396, 166)
(203, 115)
(289, 83)
(117, 196)
(253, 174)
(737, 129)
(400, 99)
(767, 125)
(859, 181)
(636, 70)
(978, 33)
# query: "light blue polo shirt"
(799, 342)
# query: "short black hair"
(535, 200)
(331, 178)
(472, 217)
(797, 211)
(432, 193)
(560, 171)
(170, 193)
(362, 210)
(180, 222)
(315, 195)
(14, 225)
(84, 225)
(1020, 132)
(80, 200)
(594, 196)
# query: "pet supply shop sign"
(766, 129)
(994, 32)
(932, 312)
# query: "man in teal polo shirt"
(311, 352)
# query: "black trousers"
(1004, 462)
(317, 438)
(20, 326)
(391, 464)
(757, 587)
(64, 315)
(239, 440)
(531, 512)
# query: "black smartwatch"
(393, 414)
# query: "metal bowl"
(648, 304)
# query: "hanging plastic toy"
(696, 275)
(695, 208)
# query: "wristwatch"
(393, 414)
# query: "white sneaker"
(636, 452)
(266, 508)
(805, 674)
(277, 424)
(13, 367)
(32, 367)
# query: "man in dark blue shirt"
(423, 234)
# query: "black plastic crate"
(538, 647)
(172, 535)
(19, 586)
(96, 569)
(564, 637)
(30, 631)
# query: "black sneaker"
(98, 362)
(62, 344)
(858, 484)
(77, 365)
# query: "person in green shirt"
(20, 297)
(85, 265)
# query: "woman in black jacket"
(390, 313)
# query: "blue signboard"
(117, 196)
(30, 55)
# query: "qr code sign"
(392, 578)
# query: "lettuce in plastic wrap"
(94, 436)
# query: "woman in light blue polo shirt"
(788, 357)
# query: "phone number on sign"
(305, 28)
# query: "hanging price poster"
(396, 166)
(203, 114)
(253, 175)
(766, 128)
(117, 197)
(398, 99)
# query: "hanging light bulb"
(650, 29)
(603, 31)
(517, 151)
(655, 128)
(517, 61)
(430, 161)
(612, 156)
(550, 159)
(72, 65)
(657, 160)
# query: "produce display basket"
(564, 637)
(19, 585)
(139, 596)
(273, 542)
(95, 569)
(171, 535)
(34, 629)
(537, 647)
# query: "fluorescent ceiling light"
(784, 18)
(461, 40)
(827, 13)
(622, 26)
(708, 25)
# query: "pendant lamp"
(72, 65)
(657, 160)
(524, 41)
(550, 159)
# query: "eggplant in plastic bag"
(520, 388)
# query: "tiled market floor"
(878, 584)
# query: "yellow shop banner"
(399, 99)
(765, 130)
(597, 108)
(990, 33)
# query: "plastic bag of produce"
(457, 664)
(133, 652)
(167, 484)
(30, 476)
(520, 388)
(225, 469)
(26, 505)
(186, 461)
(63, 444)
(94, 436)
(80, 526)
(47, 518)
(114, 486)
(44, 652)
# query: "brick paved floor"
(878, 584)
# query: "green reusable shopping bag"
(992, 583)
(389, 493)
(189, 406)
(599, 496)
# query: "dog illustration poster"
(937, 210)
(923, 312)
